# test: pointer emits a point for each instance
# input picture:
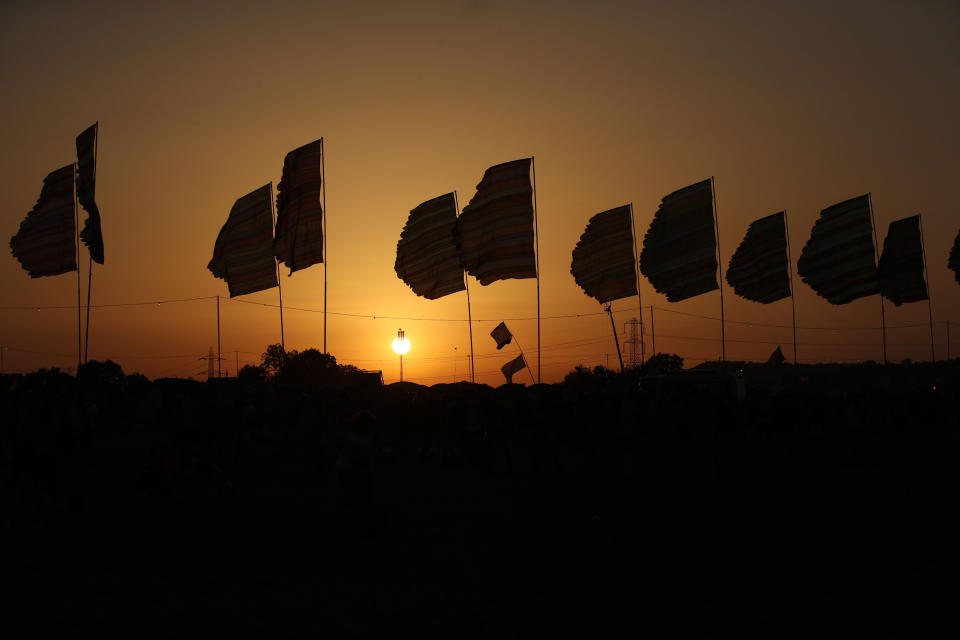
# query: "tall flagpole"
(653, 333)
(636, 272)
(926, 277)
(323, 187)
(616, 340)
(473, 377)
(532, 380)
(76, 228)
(277, 271)
(793, 296)
(86, 342)
(536, 233)
(876, 257)
(218, 336)
(466, 285)
(716, 229)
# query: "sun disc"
(401, 346)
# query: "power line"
(104, 306)
(40, 353)
(806, 344)
(788, 326)
(431, 319)
(416, 319)
(492, 354)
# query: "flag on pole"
(838, 261)
(502, 335)
(603, 261)
(512, 367)
(679, 255)
(900, 269)
(759, 268)
(427, 258)
(91, 234)
(298, 241)
(243, 253)
(495, 231)
(776, 357)
(45, 244)
(954, 262)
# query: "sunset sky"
(789, 105)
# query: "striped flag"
(502, 335)
(45, 245)
(427, 258)
(838, 259)
(91, 234)
(603, 261)
(954, 262)
(298, 241)
(679, 255)
(495, 230)
(759, 268)
(512, 367)
(900, 269)
(243, 254)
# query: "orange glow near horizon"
(789, 107)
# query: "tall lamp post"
(401, 346)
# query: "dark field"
(798, 501)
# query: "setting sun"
(400, 344)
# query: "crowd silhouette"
(728, 499)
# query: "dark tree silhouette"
(314, 368)
(252, 374)
(582, 375)
(274, 358)
(662, 363)
(100, 373)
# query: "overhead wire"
(567, 345)
(433, 319)
(787, 326)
